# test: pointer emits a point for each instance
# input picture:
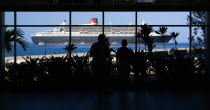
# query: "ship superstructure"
(88, 34)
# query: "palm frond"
(22, 43)
(162, 30)
(10, 37)
(174, 35)
(70, 47)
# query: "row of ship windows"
(90, 32)
(95, 30)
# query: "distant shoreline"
(20, 59)
(34, 49)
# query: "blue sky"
(116, 18)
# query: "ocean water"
(34, 49)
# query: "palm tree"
(144, 34)
(69, 48)
(162, 31)
(141, 61)
(10, 37)
(174, 35)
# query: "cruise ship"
(84, 34)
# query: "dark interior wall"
(104, 5)
(2, 53)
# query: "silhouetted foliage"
(59, 69)
(144, 33)
(141, 62)
(102, 72)
(69, 48)
(10, 38)
(162, 31)
(32, 70)
(81, 67)
(161, 64)
(174, 35)
(198, 38)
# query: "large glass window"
(86, 26)
(163, 18)
(9, 18)
(42, 18)
(84, 36)
(119, 18)
(39, 41)
(86, 18)
(43, 41)
(9, 49)
(85, 30)
(198, 41)
(167, 42)
(117, 33)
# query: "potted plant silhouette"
(59, 69)
(142, 61)
(162, 31)
(81, 68)
(33, 70)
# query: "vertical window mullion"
(190, 37)
(103, 22)
(136, 17)
(15, 37)
(70, 29)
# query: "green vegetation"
(78, 71)
(73, 71)
(162, 31)
(198, 35)
(144, 33)
(174, 35)
(10, 38)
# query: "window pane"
(9, 54)
(163, 18)
(86, 18)
(9, 18)
(42, 18)
(117, 33)
(198, 17)
(84, 36)
(119, 18)
(44, 41)
(168, 43)
(198, 41)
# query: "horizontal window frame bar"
(102, 11)
(100, 25)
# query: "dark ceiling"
(104, 5)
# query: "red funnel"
(93, 21)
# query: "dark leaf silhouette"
(10, 38)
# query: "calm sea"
(34, 49)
